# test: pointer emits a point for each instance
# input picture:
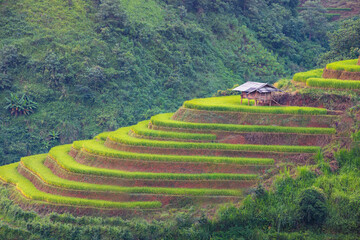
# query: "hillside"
(211, 151)
(86, 64)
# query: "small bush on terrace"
(312, 206)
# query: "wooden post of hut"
(260, 92)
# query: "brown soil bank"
(133, 182)
(290, 120)
(162, 166)
(119, 197)
(342, 75)
(335, 104)
(261, 138)
(278, 156)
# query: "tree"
(344, 42)
(95, 76)
(9, 57)
(316, 23)
(52, 70)
(312, 207)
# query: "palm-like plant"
(20, 105)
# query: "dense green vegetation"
(164, 120)
(94, 66)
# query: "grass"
(164, 120)
(328, 9)
(121, 136)
(10, 175)
(338, 9)
(36, 165)
(347, 65)
(98, 148)
(142, 129)
(303, 76)
(331, 15)
(232, 103)
(333, 83)
(60, 155)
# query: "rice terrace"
(211, 150)
(167, 119)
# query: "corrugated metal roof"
(249, 87)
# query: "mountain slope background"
(80, 67)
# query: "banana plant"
(20, 105)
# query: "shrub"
(232, 103)
(121, 136)
(303, 76)
(333, 83)
(165, 121)
(312, 207)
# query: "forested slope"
(76, 68)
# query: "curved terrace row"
(164, 160)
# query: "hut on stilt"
(260, 92)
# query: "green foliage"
(344, 42)
(333, 83)
(142, 129)
(164, 120)
(314, 16)
(312, 207)
(121, 136)
(232, 103)
(10, 175)
(20, 105)
(59, 154)
(98, 148)
(36, 165)
(348, 159)
(303, 76)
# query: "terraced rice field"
(343, 75)
(164, 161)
